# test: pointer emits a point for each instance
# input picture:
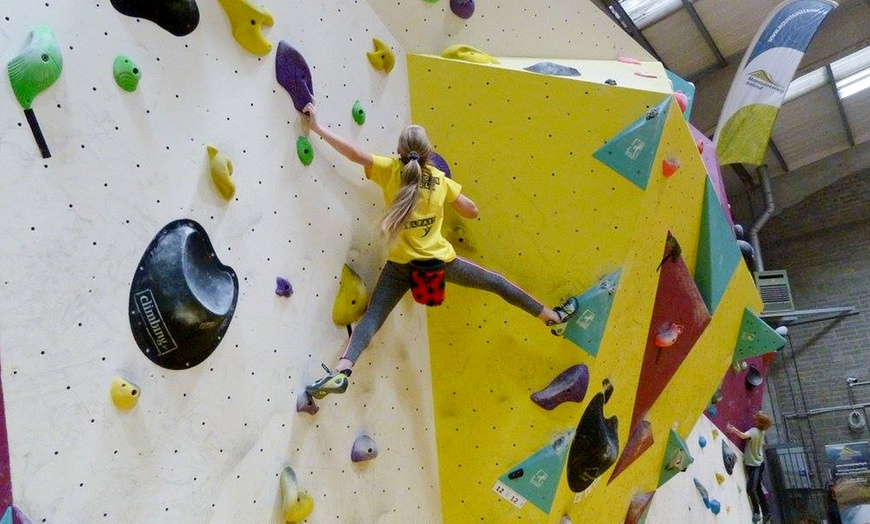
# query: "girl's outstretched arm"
(737, 432)
(465, 207)
(347, 149)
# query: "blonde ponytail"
(414, 152)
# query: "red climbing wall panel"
(678, 301)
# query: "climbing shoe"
(564, 311)
(334, 382)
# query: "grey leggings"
(395, 281)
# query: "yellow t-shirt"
(421, 238)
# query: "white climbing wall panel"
(520, 28)
(678, 501)
(205, 444)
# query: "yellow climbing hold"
(296, 505)
(221, 168)
(382, 57)
(467, 54)
(352, 299)
(720, 478)
(247, 21)
(125, 394)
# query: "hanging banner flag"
(762, 79)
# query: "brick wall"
(824, 245)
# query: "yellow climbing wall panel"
(555, 220)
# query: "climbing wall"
(205, 444)
(561, 209)
(726, 493)
(552, 28)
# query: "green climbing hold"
(127, 73)
(359, 114)
(36, 68)
(304, 150)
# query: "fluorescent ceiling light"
(806, 83)
(854, 83)
(851, 74)
(647, 12)
(851, 64)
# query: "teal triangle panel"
(7, 516)
(677, 457)
(718, 253)
(632, 152)
(586, 326)
(756, 338)
(537, 478)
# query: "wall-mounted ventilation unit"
(775, 291)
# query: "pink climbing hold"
(645, 75)
(364, 448)
(627, 60)
(667, 336)
(682, 100)
(569, 386)
(304, 403)
(670, 166)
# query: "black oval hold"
(182, 298)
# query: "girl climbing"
(753, 460)
(419, 257)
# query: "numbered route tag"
(510, 495)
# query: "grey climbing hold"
(729, 458)
(552, 68)
(569, 386)
(703, 492)
(364, 448)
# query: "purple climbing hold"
(569, 386)
(292, 73)
(364, 448)
(283, 287)
(462, 8)
(179, 17)
(305, 403)
(439, 163)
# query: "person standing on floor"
(753, 461)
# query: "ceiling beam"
(778, 155)
(693, 14)
(843, 117)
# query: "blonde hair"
(413, 150)
(762, 421)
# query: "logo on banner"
(761, 79)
